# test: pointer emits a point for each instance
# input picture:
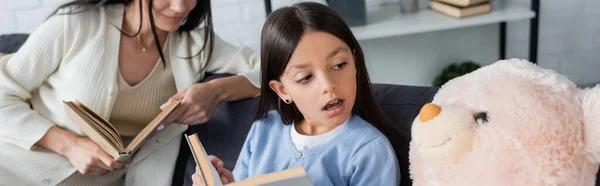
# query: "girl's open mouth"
(334, 107)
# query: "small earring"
(287, 101)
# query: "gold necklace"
(143, 47)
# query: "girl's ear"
(280, 90)
(590, 104)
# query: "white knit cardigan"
(76, 57)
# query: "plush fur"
(540, 130)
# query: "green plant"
(452, 71)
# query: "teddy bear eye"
(481, 118)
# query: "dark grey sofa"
(12, 42)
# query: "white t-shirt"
(303, 142)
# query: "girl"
(123, 59)
(327, 119)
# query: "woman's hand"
(226, 175)
(197, 104)
(90, 159)
(198, 101)
(83, 153)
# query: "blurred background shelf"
(388, 21)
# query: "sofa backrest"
(12, 42)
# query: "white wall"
(240, 21)
(417, 59)
(569, 38)
(569, 43)
(23, 16)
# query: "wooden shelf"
(388, 21)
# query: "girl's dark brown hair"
(280, 36)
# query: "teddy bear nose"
(429, 111)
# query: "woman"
(123, 59)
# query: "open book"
(105, 135)
(290, 177)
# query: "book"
(106, 135)
(210, 176)
(458, 12)
(463, 3)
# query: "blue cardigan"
(358, 155)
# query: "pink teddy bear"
(508, 123)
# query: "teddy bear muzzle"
(443, 134)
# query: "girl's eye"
(304, 79)
(339, 66)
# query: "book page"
(104, 131)
(108, 128)
(209, 172)
(85, 124)
(150, 128)
(290, 177)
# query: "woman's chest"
(136, 63)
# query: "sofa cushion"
(10, 43)
(225, 132)
(402, 104)
(222, 135)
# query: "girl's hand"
(226, 175)
(90, 159)
(197, 104)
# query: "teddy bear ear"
(591, 119)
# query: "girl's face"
(169, 14)
(320, 79)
